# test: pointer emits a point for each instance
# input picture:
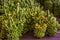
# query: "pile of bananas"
(21, 16)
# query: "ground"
(29, 36)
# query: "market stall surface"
(29, 36)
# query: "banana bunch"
(30, 14)
(1, 29)
(13, 21)
(10, 29)
(40, 25)
(40, 30)
(52, 24)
